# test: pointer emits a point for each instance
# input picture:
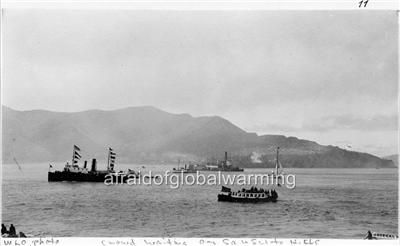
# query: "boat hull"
(184, 171)
(59, 176)
(223, 170)
(229, 198)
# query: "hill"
(394, 158)
(147, 134)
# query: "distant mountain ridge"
(148, 134)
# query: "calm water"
(326, 203)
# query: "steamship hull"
(73, 172)
(223, 170)
(98, 176)
(59, 176)
(184, 171)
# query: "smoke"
(255, 157)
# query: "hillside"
(147, 134)
(394, 158)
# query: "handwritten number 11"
(363, 2)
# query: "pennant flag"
(77, 156)
(225, 189)
(111, 158)
(77, 153)
(77, 148)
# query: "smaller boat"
(252, 195)
(380, 236)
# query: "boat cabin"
(384, 236)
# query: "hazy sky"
(328, 76)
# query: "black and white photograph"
(143, 123)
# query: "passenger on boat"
(3, 229)
(12, 230)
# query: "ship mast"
(277, 161)
(108, 160)
(73, 156)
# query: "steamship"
(223, 166)
(73, 172)
(185, 169)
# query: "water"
(326, 203)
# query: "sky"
(326, 76)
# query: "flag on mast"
(76, 155)
(225, 189)
(111, 158)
